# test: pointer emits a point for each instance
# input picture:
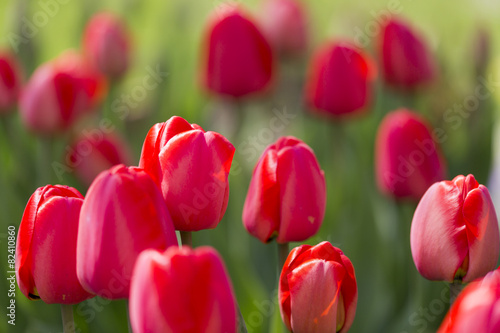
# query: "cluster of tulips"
(120, 241)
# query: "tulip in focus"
(46, 246)
(181, 290)
(123, 214)
(287, 194)
(191, 167)
(318, 290)
(10, 82)
(237, 58)
(340, 80)
(407, 160)
(454, 232)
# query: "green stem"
(242, 328)
(455, 289)
(282, 255)
(186, 238)
(128, 316)
(67, 318)
(45, 160)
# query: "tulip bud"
(181, 290)
(287, 194)
(407, 160)
(106, 44)
(454, 232)
(340, 80)
(46, 246)
(10, 82)
(318, 290)
(191, 167)
(476, 308)
(406, 61)
(123, 214)
(237, 58)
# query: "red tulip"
(107, 45)
(238, 59)
(285, 25)
(191, 167)
(476, 308)
(340, 80)
(182, 290)
(287, 194)
(407, 160)
(59, 92)
(123, 214)
(10, 82)
(454, 232)
(317, 290)
(46, 246)
(406, 61)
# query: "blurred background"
(371, 228)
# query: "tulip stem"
(128, 316)
(186, 238)
(282, 255)
(45, 161)
(455, 289)
(67, 318)
(242, 328)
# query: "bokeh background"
(371, 229)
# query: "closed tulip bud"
(191, 167)
(407, 160)
(182, 290)
(287, 194)
(237, 58)
(318, 290)
(59, 92)
(106, 44)
(46, 246)
(10, 82)
(476, 308)
(340, 80)
(123, 214)
(406, 61)
(454, 232)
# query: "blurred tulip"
(123, 214)
(191, 167)
(237, 58)
(340, 80)
(476, 308)
(88, 155)
(181, 290)
(407, 160)
(10, 82)
(59, 92)
(287, 194)
(406, 61)
(46, 246)
(284, 23)
(481, 50)
(454, 232)
(106, 44)
(318, 290)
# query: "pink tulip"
(46, 246)
(407, 160)
(287, 195)
(191, 167)
(182, 290)
(10, 82)
(454, 232)
(123, 214)
(318, 290)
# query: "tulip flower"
(287, 194)
(406, 61)
(407, 160)
(318, 290)
(284, 23)
(476, 308)
(59, 92)
(46, 246)
(106, 44)
(237, 58)
(340, 80)
(191, 167)
(10, 82)
(123, 214)
(454, 232)
(181, 290)
(90, 155)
